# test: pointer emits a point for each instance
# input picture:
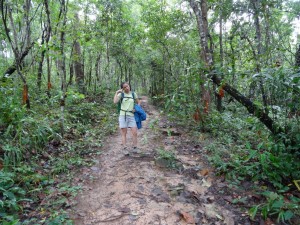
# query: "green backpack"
(123, 96)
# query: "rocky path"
(140, 188)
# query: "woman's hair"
(123, 84)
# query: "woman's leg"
(123, 133)
(134, 136)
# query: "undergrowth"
(242, 149)
(37, 163)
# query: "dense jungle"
(218, 79)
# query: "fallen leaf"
(81, 214)
(134, 213)
(187, 217)
(219, 216)
(210, 199)
(204, 172)
(268, 221)
(205, 183)
(228, 198)
(212, 212)
(201, 137)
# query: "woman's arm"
(116, 98)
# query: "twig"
(112, 218)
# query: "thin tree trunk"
(295, 93)
(297, 58)
(27, 37)
(120, 77)
(200, 11)
(71, 71)
(40, 68)
(129, 73)
(126, 73)
(62, 63)
(268, 34)
(90, 72)
(49, 86)
(217, 95)
(78, 65)
(256, 6)
(232, 57)
(45, 38)
(97, 67)
(14, 44)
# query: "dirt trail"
(138, 189)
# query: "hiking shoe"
(135, 150)
(124, 150)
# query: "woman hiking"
(127, 98)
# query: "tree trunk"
(232, 57)
(78, 66)
(71, 71)
(45, 38)
(79, 75)
(217, 95)
(48, 35)
(15, 47)
(256, 7)
(97, 67)
(200, 11)
(89, 82)
(120, 77)
(41, 62)
(49, 86)
(201, 17)
(62, 64)
(295, 93)
(297, 58)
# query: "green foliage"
(166, 154)
(20, 127)
(33, 136)
(11, 110)
(58, 218)
(277, 205)
(65, 163)
(29, 133)
(12, 155)
(11, 197)
(275, 166)
(168, 158)
(244, 151)
(153, 124)
(83, 113)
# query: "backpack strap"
(123, 96)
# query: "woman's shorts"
(129, 122)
